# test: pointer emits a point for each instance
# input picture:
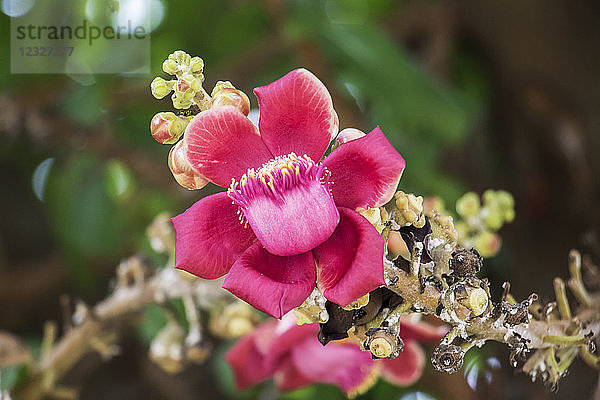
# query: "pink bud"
(167, 128)
(347, 135)
(232, 97)
(182, 169)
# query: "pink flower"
(294, 357)
(286, 212)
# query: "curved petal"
(209, 237)
(296, 222)
(296, 115)
(271, 283)
(249, 365)
(222, 144)
(351, 260)
(407, 368)
(421, 331)
(289, 378)
(342, 364)
(365, 172)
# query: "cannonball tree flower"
(288, 213)
(292, 355)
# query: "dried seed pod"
(383, 343)
(466, 262)
(465, 300)
(227, 96)
(448, 358)
(182, 169)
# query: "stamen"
(275, 177)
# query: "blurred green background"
(474, 95)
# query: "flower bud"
(180, 57)
(433, 203)
(170, 66)
(160, 88)
(487, 243)
(181, 102)
(167, 128)
(347, 135)
(442, 227)
(235, 320)
(196, 65)
(221, 85)
(468, 205)
(166, 348)
(232, 97)
(182, 170)
(409, 210)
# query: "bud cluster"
(189, 95)
(480, 220)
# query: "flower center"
(287, 203)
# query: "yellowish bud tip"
(380, 347)
(478, 301)
(160, 88)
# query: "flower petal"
(222, 144)
(407, 368)
(289, 378)
(351, 260)
(296, 115)
(249, 365)
(209, 237)
(271, 283)
(421, 331)
(365, 172)
(299, 220)
(342, 364)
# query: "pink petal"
(223, 144)
(289, 378)
(365, 172)
(422, 331)
(296, 115)
(407, 368)
(209, 237)
(351, 260)
(303, 218)
(271, 283)
(249, 365)
(342, 364)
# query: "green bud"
(468, 205)
(505, 198)
(181, 57)
(493, 216)
(170, 66)
(509, 215)
(221, 85)
(489, 197)
(181, 103)
(160, 88)
(196, 65)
